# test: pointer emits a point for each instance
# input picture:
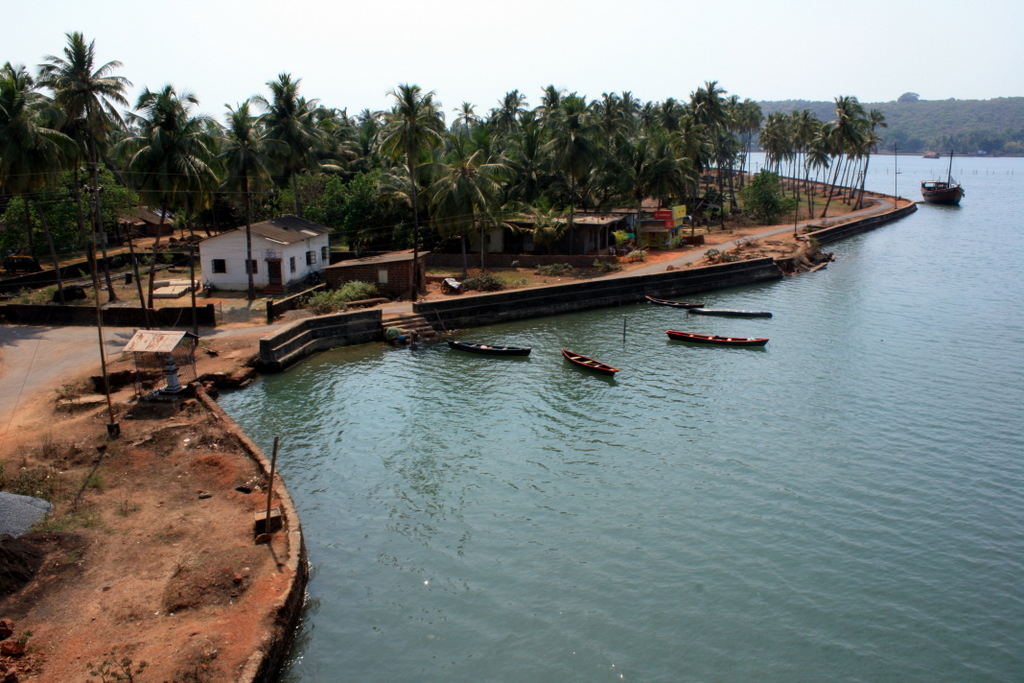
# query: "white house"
(285, 250)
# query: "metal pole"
(192, 286)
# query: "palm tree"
(528, 164)
(30, 153)
(547, 227)
(572, 146)
(88, 96)
(466, 118)
(505, 117)
(875, 120)
(414, 125)
(169, 157)
(709, 109)
(465, 192)
(292, 120)
(747, 123)
(846, 136)
(245, 153)
(648, 168)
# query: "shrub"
(637, 255)
(621, 237)
(606, 266)
(484, 283)
(763, 198)
(322, 303)
(356, 291)
(555, 269)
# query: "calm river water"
(847, 503)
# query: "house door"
(274, 272)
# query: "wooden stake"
(270, 488)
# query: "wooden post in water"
(895, 170)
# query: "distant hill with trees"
(915, 125)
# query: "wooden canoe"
(730, 312)
(674, 304)
(715, 339)
(589, 363)
(489, 350)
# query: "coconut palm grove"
(75, 153)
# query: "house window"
(323, 254)
(291, 263)
(310, 258)
(382, 276)
(220, 265)
(251, 268)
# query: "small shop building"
(391, 272)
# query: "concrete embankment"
(844, 230)
(488, 309)
(294, 342)
(301, 339)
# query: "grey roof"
(390, 257)
(19, 513)
(286, 229)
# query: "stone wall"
(505, 260)
(488, 309)
(116, 316)
(844, 230)
(305, 337)
(275, 309)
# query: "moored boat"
(946, 192)
(730, 312)
(488, 349)
(715, 339)
(675, 304)
(589, 363)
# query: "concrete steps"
(409, 322)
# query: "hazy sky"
(350, 54)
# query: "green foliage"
(716, 256)
(115, 670)
(34, 296)
(38, 482)
(763, 199)
(484, 283)
(360, 212)
(637, 255)
(606, 266)
(324, 302)
(61, 212)
(940, 125)
(555, 269)
(621, 237)
(356, 290)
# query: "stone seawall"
(291, 344)
(488, 309)
(844, 230)
(115, 316)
